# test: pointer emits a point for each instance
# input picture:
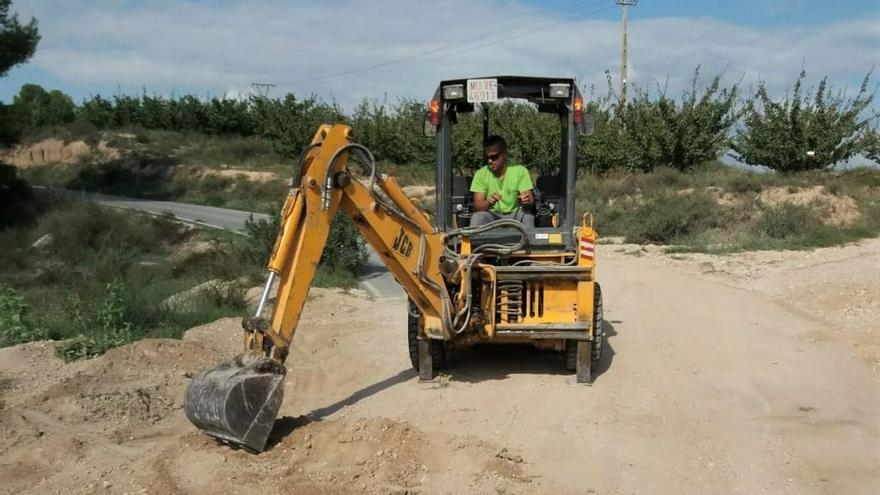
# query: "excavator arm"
(238, 401)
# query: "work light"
(453, 92)
(560, 90)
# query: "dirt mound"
(56, 151)
(421, 193)
(721, 401)
(376, 455)
(201, 173)
(834, 209)
(115, 424)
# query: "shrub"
(80, 230)
(345, 248)
(669, 217)
(261, 236)
(788, 220)
(107, 327)
(14, 325)
(18, 204)
(226, 294)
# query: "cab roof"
(528, 87)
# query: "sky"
(348, 50)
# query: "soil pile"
(115, 424)
(721, 375)
(56, 151)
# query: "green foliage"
(669, 217)
(17, 41)
(104, 278)
(290, 123)
(345, 250)
(393, 132)
(807, 130)
(107, 327)
(82, 230)
(261, 236)
(10, 129)
(533, 138)
(188, 113)
(15, 327)
(649, 132)
(871, 144)
(18, 206)
(719, 208)
(36, 108)
(788, 220)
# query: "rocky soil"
(751, 373)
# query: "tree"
(290, 122)
(806, 130)
(35, 107)
(683, 132)
(871, 144)
(17, 41)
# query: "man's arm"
(482, 203)
(480, 188)
(525, 188)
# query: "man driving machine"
(501, 189)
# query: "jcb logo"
(402, 244)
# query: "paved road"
(374, 277)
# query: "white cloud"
(212, 46)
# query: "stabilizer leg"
(584, 354)
(426, 361)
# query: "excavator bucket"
(237, 401)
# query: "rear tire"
(438, 352)
(598, 344)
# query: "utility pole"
(263, 88)
(624, 4)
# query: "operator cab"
(554, 211)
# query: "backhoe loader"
(494, 283)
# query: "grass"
(105, 277)
(721, 209)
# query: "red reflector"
(435, 112)
(578, 110)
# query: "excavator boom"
(238, 401)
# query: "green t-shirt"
(514, 181)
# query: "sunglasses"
(493, 157)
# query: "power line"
(435, 50)
(535, 30)
(525, 33)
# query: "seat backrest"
(461, 191)
(550, 186)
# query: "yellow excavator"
(495, 283)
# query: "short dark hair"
(497, 141)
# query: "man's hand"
(494, 198)
(526, 197)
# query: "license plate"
(482, 90)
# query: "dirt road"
(722, 375)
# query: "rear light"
(578, 110)
(435, 112)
